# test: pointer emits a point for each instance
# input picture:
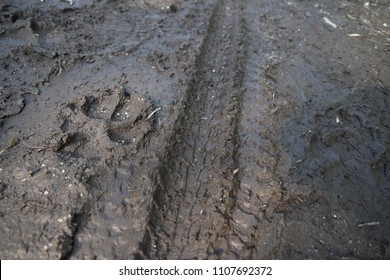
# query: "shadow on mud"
(337, 145)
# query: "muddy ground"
(202, 129)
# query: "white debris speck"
(367, 4)
(213, 70)
(354, 35)
(60, 220)
(63, 171)
(369, 224)
(329, 22)
(385, 24)
(46, 193)
(337, 120)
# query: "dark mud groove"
(196, 181)
(77, 221)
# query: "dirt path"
(212, 129)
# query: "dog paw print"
(109, 121)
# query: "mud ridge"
(199, 170)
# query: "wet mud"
(213, 129)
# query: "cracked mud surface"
(213, 129)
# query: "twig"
(152, 113)
(353, 146)
(385, 91)
(297, 197)
(271, 78)
(369, 224)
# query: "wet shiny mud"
(213, 129)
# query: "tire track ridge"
(198, 165)
(159, 177)
(238, 79)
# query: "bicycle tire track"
(197, 179)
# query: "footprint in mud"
(108, 120)
(126, 116)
